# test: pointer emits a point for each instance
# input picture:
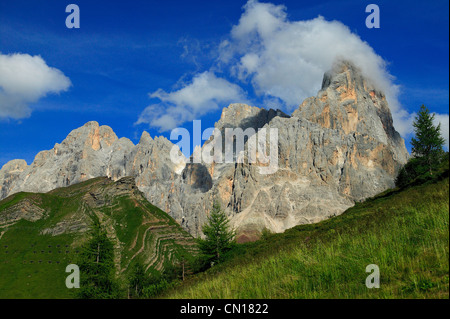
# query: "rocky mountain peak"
(91, 124)
(344, 73)
(13, 166)
(91, 135)
(336, 148)
(345, 76)
(349, 102)
(145, 138)
(9, 173)
(235, 113)
(245, 116)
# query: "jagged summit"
(91, 123)
(348, 102)
(245, 116)
(87, 152)
(336, 148)
(344, 71)
(91, 135)
(145, 138)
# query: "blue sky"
(131, 56)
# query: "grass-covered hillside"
(403, 231)
(40, 234)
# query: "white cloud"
(286, 59)
(283, 60)
(443, 119)
(24, 79)
(204, 94)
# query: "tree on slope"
(97, 266)
(427, 150)
(219, 237)
(137, 280)
(427, 145)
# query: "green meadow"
(404, 232)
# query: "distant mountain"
(41, 233)
(335, 149)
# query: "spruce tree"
(427, 145)
(219, 237)
(97, 266)
(137, 280)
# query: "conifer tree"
(427, 145)
(137, 280)
(219, 237)
(97, 266)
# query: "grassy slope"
(25, 255)
(405, 233)
(25, 271)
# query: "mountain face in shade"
(335, 149)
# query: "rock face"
(9, 175)
(336, 148)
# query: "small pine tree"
(97, 266)
(219, 237)
(409, 172)
(137, 280)
(427, 145)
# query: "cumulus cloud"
(204, 94)
(24, 79)
(284, 62)
(286, 59)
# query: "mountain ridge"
(336, 149)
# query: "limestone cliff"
(336, 148)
